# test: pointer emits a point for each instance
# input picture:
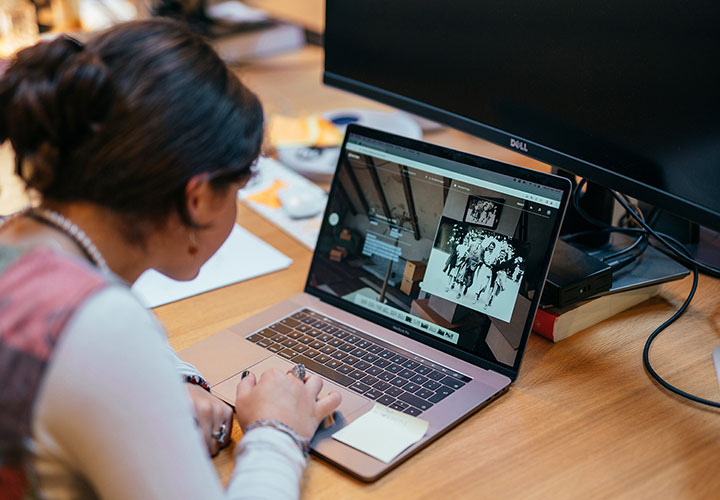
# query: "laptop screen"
(445, 247)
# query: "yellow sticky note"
(383, 433)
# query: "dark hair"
(127, 119)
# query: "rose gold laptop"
(421, 294)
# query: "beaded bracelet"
(301, 442)
(197, 380)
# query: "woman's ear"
(200, 199)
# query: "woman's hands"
(211, 414)
(283, 397)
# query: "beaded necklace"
(66, 226)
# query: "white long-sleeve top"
(112, 419)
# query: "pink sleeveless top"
(39, 292)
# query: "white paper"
(241, 257)
(383, 433)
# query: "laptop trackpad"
(226, 390)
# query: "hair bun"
(51, 96)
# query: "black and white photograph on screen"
(483, 211)
(476, 268)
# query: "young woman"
(135, 145)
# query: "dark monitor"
(625, 94)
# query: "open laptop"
(421, 293)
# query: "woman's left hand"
(211, 415)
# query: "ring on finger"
(220, 434)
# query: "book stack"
(556, 324)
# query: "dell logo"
(517, 144)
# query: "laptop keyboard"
(369, 366)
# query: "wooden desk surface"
(582, 420)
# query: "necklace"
(67, 227)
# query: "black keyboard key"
(452, 382)
(322, 358)
(300, 347)
(386, 376)
(359, 387)
(330, 329)
(432, 385)
(338, 354)
(265, 343)
(394, 368)
(363, 344)
(406, 373)
(320, 325)
(335, 342)
(307, 320)
(369, 379)
(333, 363)
(374, 348)
(359, 353)
(303, 328)
(381, 386)
(436, 375)
(311, 353)
(325, 337)
(424, 393)
(398, 359)
(280, 328)
(345, 369)
(399, 406)
(441, 394)
(341, 334)
(386, 354)
(299, 315)
(327, 349)
(382, 363)
(315, 332)
(411, 410)
(352, 339)
(346, 347)
(278, 338)
(373, 394)
(289, 342)
(394, 391)
(423, 370)
(306, 339)
(411, 387)
(362, 365)
(415, 401)
(411, 364)
(316, 344)
(255, 337)
(418, 379)
(370, 357)
(323, 370)
(267, 332)
(295, 335)
(275, 347)
(357, 374)
(399, 381)
(350, 360)
(288, 353)
(385, 400)
(374, 371)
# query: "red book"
(557, 324)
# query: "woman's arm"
(113, 412)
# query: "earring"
(193, 246)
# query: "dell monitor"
(624, 94)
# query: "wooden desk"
(583, 420)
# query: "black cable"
(675, 249)
(681, 252)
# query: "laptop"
(421, 294)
